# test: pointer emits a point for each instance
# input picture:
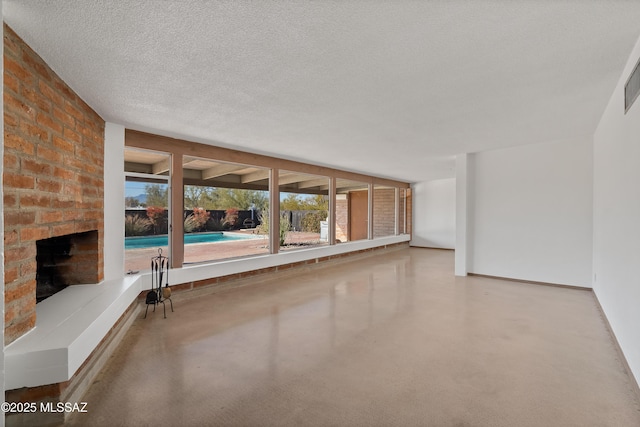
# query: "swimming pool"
(163, 240)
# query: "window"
(352, 210)
(304, 210)
(201, 203)
(632, 88)
(146, 215)
(226, 208)
(402, 211)
(384, 211)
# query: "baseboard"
(432, 248)
(632, 379)
(532, 282)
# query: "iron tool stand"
(159, 276)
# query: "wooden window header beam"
(181, 147)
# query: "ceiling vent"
(632, 88)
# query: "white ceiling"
(391, 88)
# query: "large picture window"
(226, 208)
(304, 210)
(384, 211)
(352, 210)
(146, 215)
(200, 203)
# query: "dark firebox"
(65, 260)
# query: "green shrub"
(196, 221)
(214, 224)
(158, 217)
(285, 226)
(201, 216)
(263, 228)
(231, 217)
(190, 224)
(135, 225)
(311, 221)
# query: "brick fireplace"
(66, 260)
(53, 180)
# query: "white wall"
(113, 201)
(434, 219)
(616, 220)
(530, 212)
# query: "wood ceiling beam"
(255, 176)
(296, 178)
(156, 143)
(160, 167)
(220, 170)
(318, 182)
(351, 188)
(137, 167)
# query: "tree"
(131, 202)
(214, 198)
(196, 196)
(318, 203)
(305, 202)
(157, 194)
(241, 199)
(292, 202)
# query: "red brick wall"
(53, 173)
(409, 204)
(342, 219)
(384, 212)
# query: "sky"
(133, 188)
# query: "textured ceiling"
(392, 88)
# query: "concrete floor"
(391, 340)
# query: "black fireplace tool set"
(159, 276)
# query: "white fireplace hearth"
(69, 326)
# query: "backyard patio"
(140, 259)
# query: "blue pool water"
(163, 240)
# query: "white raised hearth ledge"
(69, 326)
(71, 323)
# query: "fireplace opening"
(66, 260)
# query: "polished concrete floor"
(390, 340)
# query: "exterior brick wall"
(402, 211)
(384, 212)
(384, 220)
(53, 173)
(409, 204)
(342, 219)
